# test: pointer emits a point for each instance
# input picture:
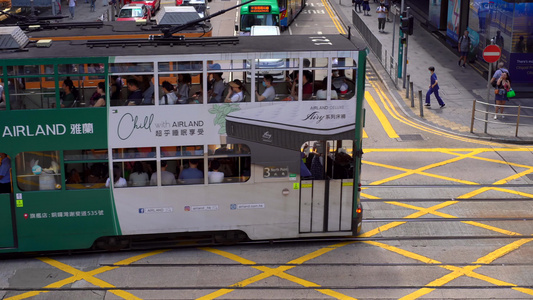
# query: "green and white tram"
(85, 176)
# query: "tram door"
(6, 221)
(326, 197)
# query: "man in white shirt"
(270, 93)
(167, 178)
(71, 6)
(381, 10)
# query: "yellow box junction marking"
(87, 276)
(278, 272)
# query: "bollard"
(517, 120)
(408, 78)
(412, 94)
(421, 103)
(396, 72)
(385, 64)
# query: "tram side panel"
(48, 214)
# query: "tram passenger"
(136, 95)
(236, 93)
(184, 85)
(269, 94)
(100, 101)
(307, 87)
(169, 97)
(147, 87)
(167, 178)
(322, 93)
(5, 178)
(215, 176)
(191, 175)
(74, 177)
(117, 178)
(294, 74)
(96, 173)
(2, 98)
(138, 177)
(69, 93)
(216, 85)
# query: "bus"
(279, 13)
(85, 177)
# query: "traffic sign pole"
(491, 54)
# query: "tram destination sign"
(275, 172)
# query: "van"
(258, 30)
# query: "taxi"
(154, 5)
(134, 11)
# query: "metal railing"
(485, 112)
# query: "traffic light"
(406, 24)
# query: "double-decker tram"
(106, 143)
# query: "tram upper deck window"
(180, 66)
(38, 170)
(341, 80)
(131, 67)
(30, 70)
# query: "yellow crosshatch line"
(387, 104)
(87, 276)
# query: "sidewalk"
(82, 12)
(458, 86)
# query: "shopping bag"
(511, 93)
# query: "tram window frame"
(122, 99)
(126, 158)
(346, 147)
(236, 159)
(45, 179)
(91, 166)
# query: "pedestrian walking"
(387, 6)
(433, 88)
(463, 46)
(503, 85)
(381, 10)
(358, 4)
(93, 5)
(366, 7)
(498, 74)
(71, 7)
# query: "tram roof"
(244, 44)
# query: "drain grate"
(410, 137)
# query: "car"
(134, 11)
(272, 66)
(200, 6)
(154, 5)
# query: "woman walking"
(503, 86)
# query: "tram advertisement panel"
(64, 130)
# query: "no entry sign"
(492, 53)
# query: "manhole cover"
(410, 137)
